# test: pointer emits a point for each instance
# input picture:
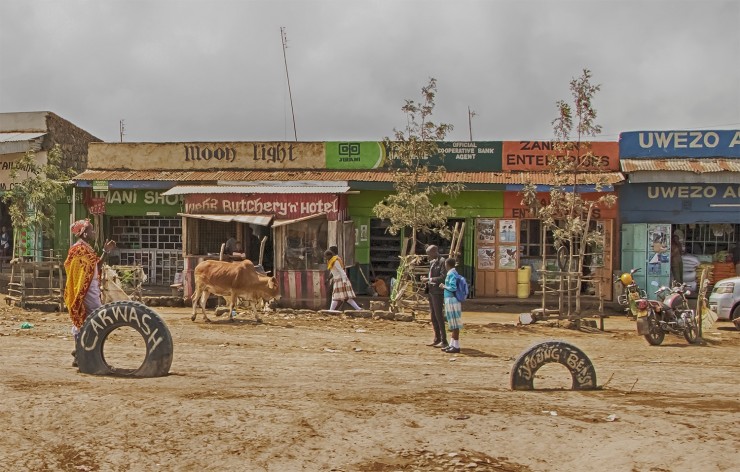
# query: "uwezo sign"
(692, 144)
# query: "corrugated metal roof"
(697, 166)
(15, 142)
(208, 189)
(16, 136)
(539, 178)
(262, 220)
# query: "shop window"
(212, 234)
(708, 239)
(530, 237)
(304, 245)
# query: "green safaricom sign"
(354, 155)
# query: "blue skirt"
(453, 313)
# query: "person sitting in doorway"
(230, 246)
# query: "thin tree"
(415, 182)
(568, 215)
(36, 190)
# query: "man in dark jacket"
(435, 277)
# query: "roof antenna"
(284, 38)
(121, 129)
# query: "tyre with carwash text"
(144, 320)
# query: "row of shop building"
(171, 205)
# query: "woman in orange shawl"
(82, 292)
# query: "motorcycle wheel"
(656, 335)
(691, 333)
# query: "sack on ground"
(461, 292)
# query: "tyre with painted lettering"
(106, 319)
(530, 361)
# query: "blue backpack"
(461, 293)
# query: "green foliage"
(414, 181)
(568, 215)
(36, 189)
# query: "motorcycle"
(631, 295)
(669, 314)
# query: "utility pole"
(471, 114)
(121, 129)
(284, 39)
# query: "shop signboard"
(472, 156)
(100, 185)
(138, 202)
(535, 156)
(691, 144)
(208, 156)
(9, 162)
(514, 208)
(354, 155)
(679, 203)
(462, 156)
(281, 206)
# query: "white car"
(725, 299)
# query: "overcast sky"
(213, 70)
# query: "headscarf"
(78, 227)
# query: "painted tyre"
(112, 316)
(576, 361)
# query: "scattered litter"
(611, 418)
(358, 349)
(453, 359)
(462, 417)
(330, 350)
(26, 325)
(360, 331)
(550, 412)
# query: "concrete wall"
(24, 121)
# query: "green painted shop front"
(376, 251)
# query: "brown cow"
(231, 280)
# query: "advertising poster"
(486, 258)
(659, 249)
(507, 231)
(507, 257)
(486, 231)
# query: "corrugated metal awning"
(296, 220)
(262, 220)
(210, 189)
(715, 171)
(698, 166)
(16, 142)
(539, 178)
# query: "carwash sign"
(692, 144)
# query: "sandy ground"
(320, 393)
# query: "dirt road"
(318, 393)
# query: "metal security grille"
(211, 234)
(147, 232)
(155, 243)
(708, 239)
